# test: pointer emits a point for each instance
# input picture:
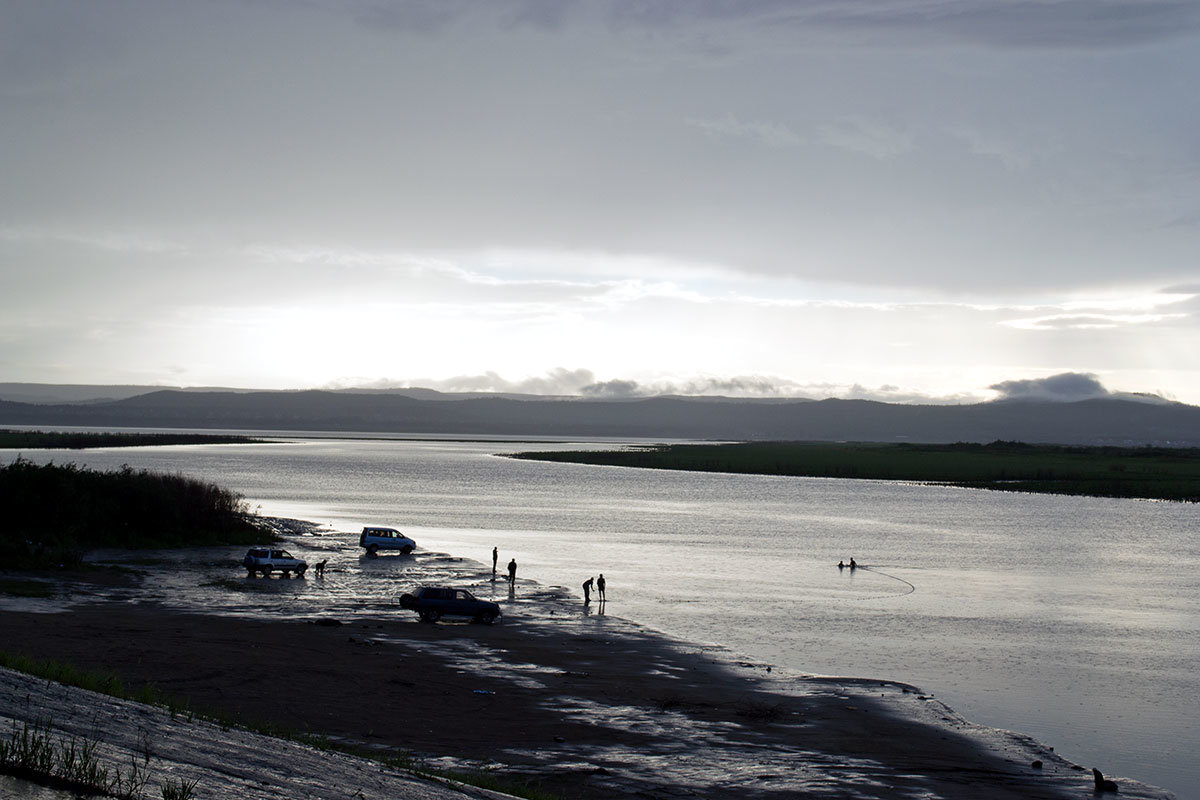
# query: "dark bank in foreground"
(552, 700)
(575, 711)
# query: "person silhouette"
(495, 556)
(587, 591)
(512, 572)
(600, 587)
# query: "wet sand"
(582, 709)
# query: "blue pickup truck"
(434, 602)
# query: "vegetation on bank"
(1161, 473)
(71, 763)
(62, 440)
(56, 512)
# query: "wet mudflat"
(587, 705)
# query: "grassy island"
(56, 512)
(1160, 473)
(66, 440)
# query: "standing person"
(587, 591)
(512, 572)
(600, 587)
(495, 556)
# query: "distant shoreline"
(1145, 473)
(1107, 420)
(70, 440)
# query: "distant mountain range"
(1113, 421)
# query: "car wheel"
(487, 617)
(300, 572)
(266, 571)
(373, 550)
(250, 573)
(407, 550)
(432, 615)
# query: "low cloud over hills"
(1067, 409)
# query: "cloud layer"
(931, 196)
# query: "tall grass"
(53, 512)
(69, 762)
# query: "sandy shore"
(584, 710)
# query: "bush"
(54, 512)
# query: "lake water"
(1075, 620)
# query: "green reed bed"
(54, 512)
(1136, 472)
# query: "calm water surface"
(1076, 620)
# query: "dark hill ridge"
(1103, 421)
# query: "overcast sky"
(899, 199)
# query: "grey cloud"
(1186, 221)
(558, 381)
(435, 17)
(894, 394)
(1065, 387)
(1077, 322)
(1066, 23)
(413, 16)
(771, 134)
(697, 387)
(738, 386)
(462, 139)
(1030, 23)
(613, 389)
(562, 382)
(869, 137)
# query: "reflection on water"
(1076, 620)
(213, 580)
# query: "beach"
(554, 701)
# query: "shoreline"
(578, 714)
(585, 707)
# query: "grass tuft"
(182, 790)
